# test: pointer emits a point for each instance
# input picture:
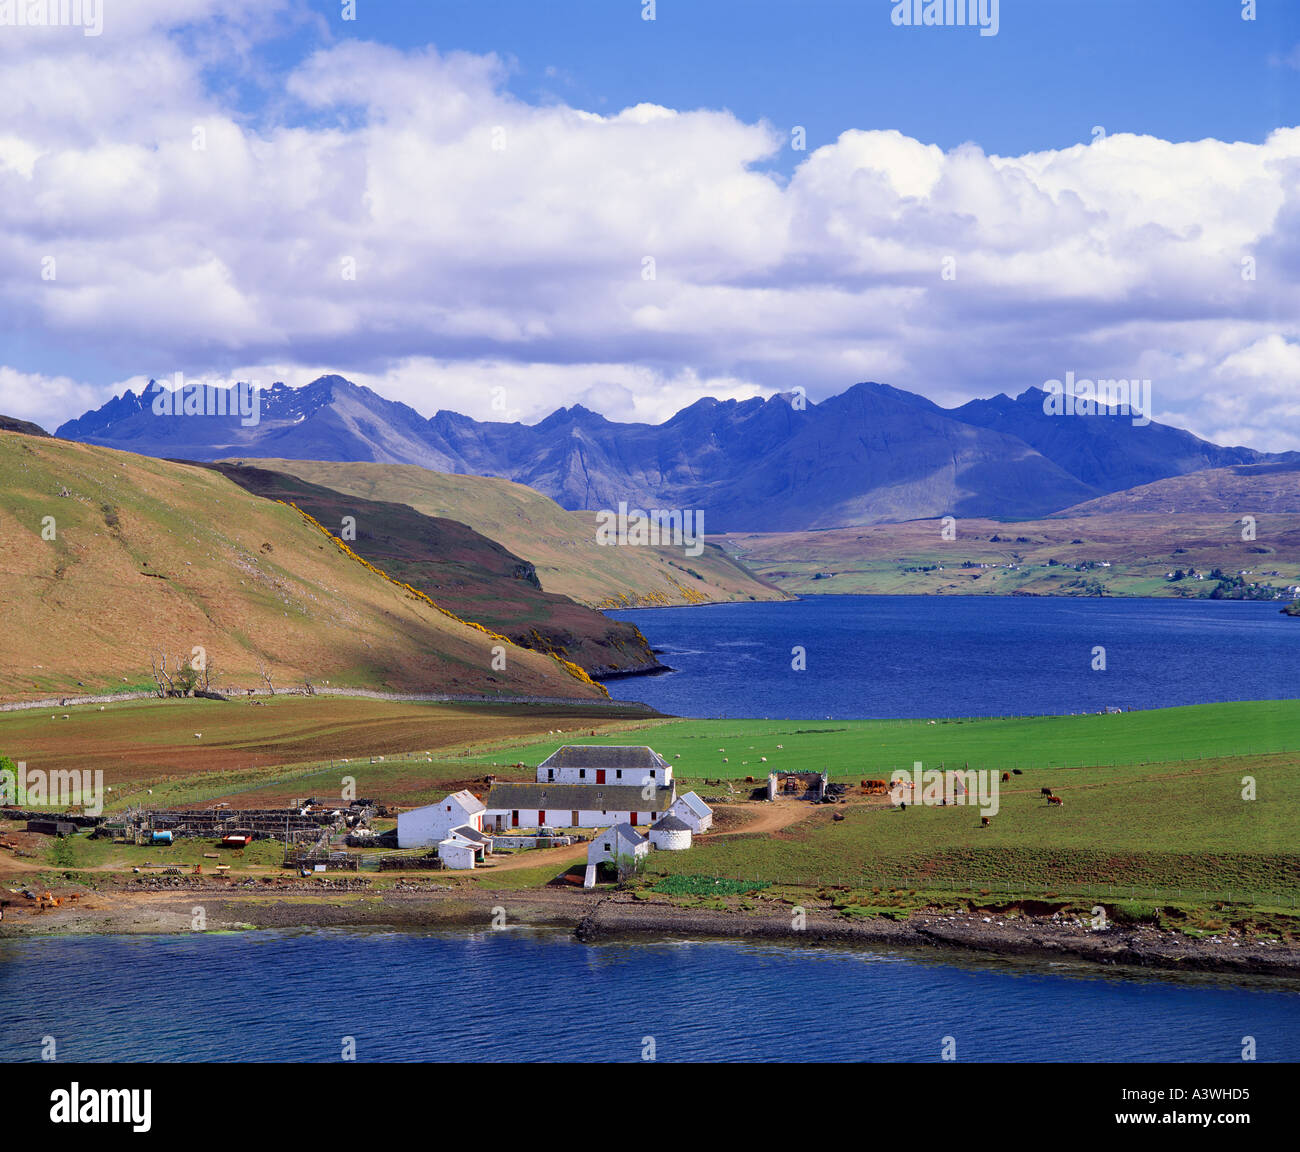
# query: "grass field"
(1163, 826)
(850, 749)
(260, 754)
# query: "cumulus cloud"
(401, 218)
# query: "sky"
(501, 207)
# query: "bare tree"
(158, 664)
(265, 672)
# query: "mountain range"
(873, 454)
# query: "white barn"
(690, 809)
(430, 825)
(670, 834)
(575, 805)
(605, 764)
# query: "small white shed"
(670, 834)
(622, 847)
(690, 809)
(457, 853)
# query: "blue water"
(542, 996)
(923, 656)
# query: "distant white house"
(670, 834)
(430, 825)
(689, 808)
(605, 764)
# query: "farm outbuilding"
(52, 827)
(800, 785)
(457, 853)
(621, 848)
(670, 834)
(430, 825)
(696, 814)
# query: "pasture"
(849, 749)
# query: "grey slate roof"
(469, 832)
(604, 756)
(625, 832)
(590, 797)
(670, 824)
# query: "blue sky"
(498, 173)
(1178, 69)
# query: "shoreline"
(604, 915)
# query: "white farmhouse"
(430, 825)
(605, 764)
(575, 805)
(621, 847)
(690, 809)
(670, 834)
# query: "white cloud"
(498, 243)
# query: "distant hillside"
(26, 427)
(144, 555)
(561, 545)
(873, 454)
(462, 570)
(1245, 489)
(1112, 555)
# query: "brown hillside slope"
(560, 544)
(148, 555)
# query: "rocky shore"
(166, 907)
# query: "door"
(600, 775)
(541, 817)
(574, 814)
(514, 819)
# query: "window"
(582, 773)
(618, 774)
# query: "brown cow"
(1055, 800)
(1045, 792)
(984, 821)
(1005, 777)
